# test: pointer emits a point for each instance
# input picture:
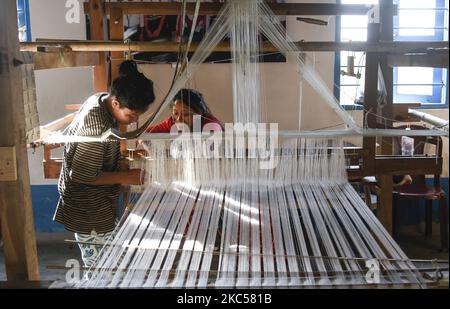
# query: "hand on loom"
(134, 177)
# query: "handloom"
(252, 210)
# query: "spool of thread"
(351, 65)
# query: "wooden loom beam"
(387, 35)
(286, 9)
(97, 16)
(370, 97)
(393, 48)
(116, 34)
(52, 166)
(16, 211)
(371, 109)
(65, 60)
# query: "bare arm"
(130, 177)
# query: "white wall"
(280, 81)
(56, 87)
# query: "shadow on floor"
(51, 251)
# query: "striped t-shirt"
(82, 207)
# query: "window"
(23, 20)
(411, 84)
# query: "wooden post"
(370, 97)
(396, 49)
(384, 212)
(370, 120)
(116, 34)
(387, 35)
(96, 16)
(283, 9)
(15, 195)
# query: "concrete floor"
(53, 251)
(417, 246)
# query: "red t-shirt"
(164, 127)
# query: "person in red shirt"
(186, 104)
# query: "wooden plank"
(284, 9)
(8, 164)
(55, 125)
(422, 165)
(397, 165)
(117, 57)
(354, 174)
(65, 60)
(116, 34)
(16, 211)
(387, 35)
(72, 107)
(432, 61)
(96, 18)
(322, 46)
(371, 97)
(375, 32)
(52, 168)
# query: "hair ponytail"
(132, 89)
(128, 68)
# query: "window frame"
(438, 73)
(26, 11)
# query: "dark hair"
(194, 100)
(132, 89)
